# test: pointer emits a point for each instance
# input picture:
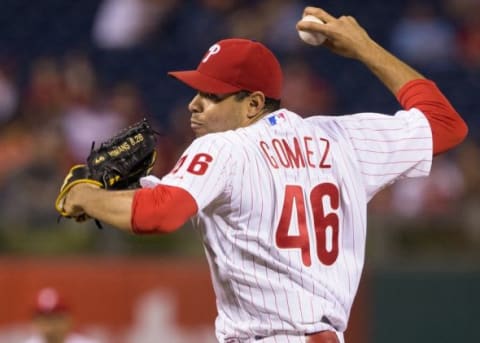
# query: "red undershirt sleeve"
(161, 209)
(448, 128)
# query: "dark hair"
(271, 105)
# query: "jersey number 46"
(325, 225)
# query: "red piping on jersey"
(161, 209)
(448, 128)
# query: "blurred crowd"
(72, 73)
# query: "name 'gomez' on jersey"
(282, 212)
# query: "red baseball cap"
(48, 301)
(235, 64)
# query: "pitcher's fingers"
(319, 13)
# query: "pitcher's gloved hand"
(118, 163)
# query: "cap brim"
(203, 83)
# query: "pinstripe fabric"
(264, 289)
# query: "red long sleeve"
(448, 128)
(161, 209)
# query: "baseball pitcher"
(281, 201)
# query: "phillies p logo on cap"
(214, 49)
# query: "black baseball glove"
(118, 163)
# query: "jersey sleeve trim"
(161, 209)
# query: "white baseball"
(312, 38)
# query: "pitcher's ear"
(256, 103)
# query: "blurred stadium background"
(76, 71)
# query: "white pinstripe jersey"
(282, 212)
